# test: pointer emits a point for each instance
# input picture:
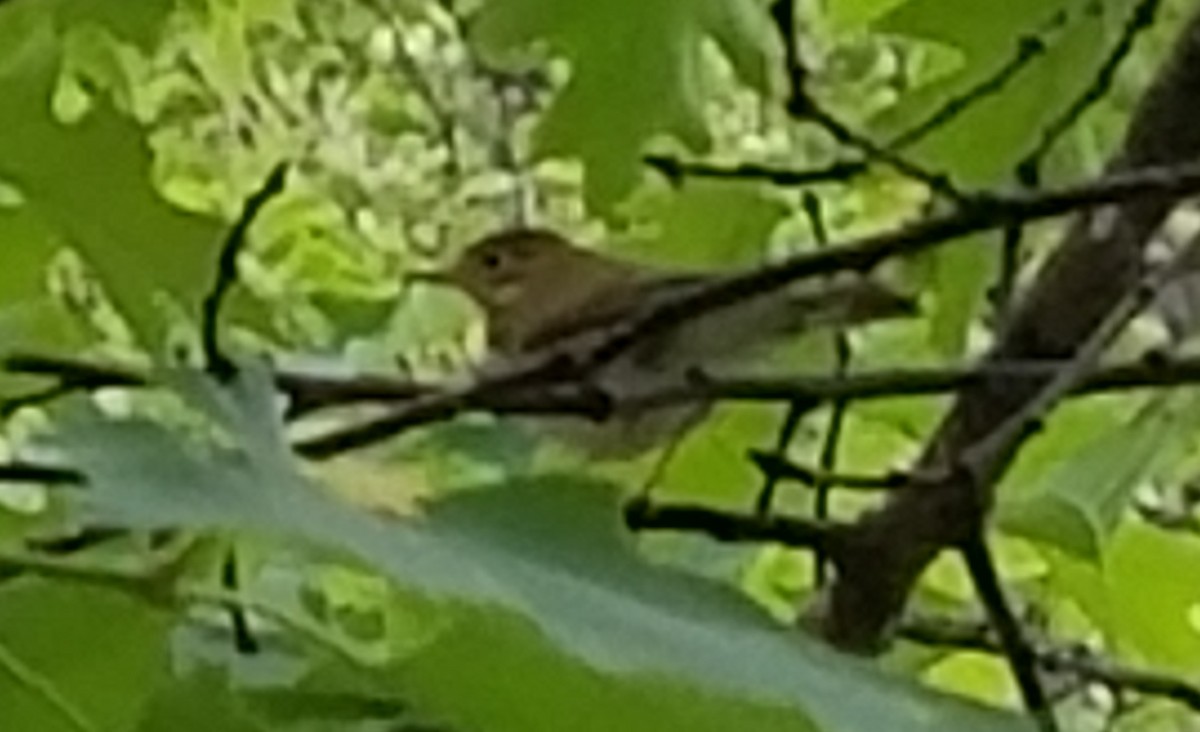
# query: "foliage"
(467, 576)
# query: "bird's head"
(501, 269)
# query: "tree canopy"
(253, 476)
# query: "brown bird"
(538, 290)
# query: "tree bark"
(1097, 264)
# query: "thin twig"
(1020, 654)
(827, 460)
(977, 459)
(643, 515)
(783, 469)
(570, 365)
(804, 108)
(216, 362)
(676, 170)
(329, 391)
(800, 407)
(1002, 292)
(791, 422)
(1029, 47)
(244, 641)
(444, 121)
(1140, 19)
(25, 472)
(937, 182)
(11, 405)
(1073, 660)
(307, 392)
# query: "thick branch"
(572, 364)
(306, 391)
(1098, 263)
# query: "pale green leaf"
(637, 71)
(89, 184)
(707, 223)
(1079, 502)
(543, 556)
(1143, 595)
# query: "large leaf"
(542, 557)
(199, 702)
(982, 145)
(74, 657)
(637, 70)
(706, 223)
(140, 22)
(29, 317)
(89, 184)
(1079, 502)
(1143, 596)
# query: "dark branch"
(1072, 660)
(783, 469)
(541, 370)
(865, 253)
(552, 397)
(676, 170)
(804, 108)
(642, 515)
(1029, 47)
(1097, 264)
(787, 430)
(1140, 19)
(23, 472)
(423, 403)
(216, 362)
(939, 183)
(306, 391)
(1021, 657)
(827, 460)
(71, 372)
(244, 641)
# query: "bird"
(537, 290)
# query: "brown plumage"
(537, 289)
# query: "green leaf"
(981, 146)
(855, 13)
(29, 317)
(75, 657)
(543, 558)
(524, 672)
(200, 702)
(140, 22)
(1143, 596)
(1078, 503)
(88, 183)
(637, 71)
(708, 223)
(961, 272)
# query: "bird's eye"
(491, 260)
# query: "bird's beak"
(436, 277)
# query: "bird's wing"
(604, 307)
